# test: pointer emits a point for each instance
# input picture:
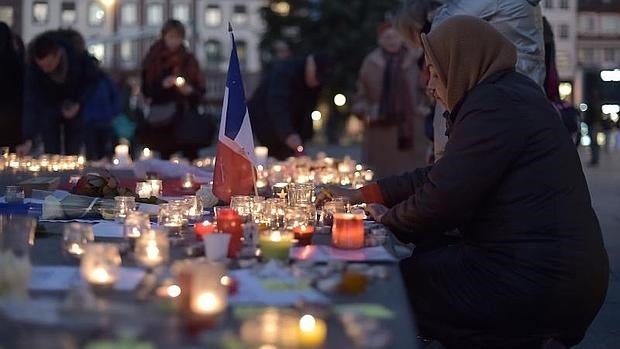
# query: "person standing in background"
(518, 20)
(173, 84)
(11, 89)
(387, 99)
(59, 80)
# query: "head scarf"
(464, 50)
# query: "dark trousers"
(99, 141)
(62, 136)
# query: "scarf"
(464, 50)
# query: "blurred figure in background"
(520, 21)
(59, 81)
(100, 109)
(280, 109)
(11, 89)
(387, 99)
(173, 86)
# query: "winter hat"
(464, 50)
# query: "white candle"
(146, 153)
(76, 249)
(121, 150)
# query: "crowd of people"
(464, 126)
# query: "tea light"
(194, 207)
(152, 248)
(275, 244)
(121, 149)
(136, 223)
(156, 187)
(188, 181)
(312, 331)
(143, 189)
(179, 81)
(261, 155)
(75, 237)
(242, 204)
(348, 231)
(208, 296)
(100, 264)
(229, 221)
(171, 216)
(146, 154)
(303, 234)
(124, 205)
(203, 228)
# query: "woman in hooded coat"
(529, 264)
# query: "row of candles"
(45, 162)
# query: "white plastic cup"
(216, 246)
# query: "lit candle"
(121, 150)
(75, 249)
(75, 238)
(261, 155)
(303, 234)
(312, 331)
(143, 189)
(100, 276)
(208, 295)
(135, 223)
(188, 182)
(152, 248)
(100, 264)
(146, 153)
(179, 81)
(348, 231)
(203, 228)
(156, 187)
(229, 221)
(275, 245)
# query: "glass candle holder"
(135, 224)
(273, 213)
(171, 217)
(242, 204)
(4, 152)
(187, 181)
(124, 205)
(100, 264)
(348, 231)
(280, 190)
(14, 194)
(182, 273)
(143, 189)
(156, 187)
(300, 193)
(209, 297)
(152, 248)
(275, 244)
(229, 221)
(75, 237)
(330, 208)
(194, 207)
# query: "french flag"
(235, 159)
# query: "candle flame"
(173, 291)
(307, 323)
(206, 302)
(275, 236)
(152, 251)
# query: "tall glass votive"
(171, 218)
(143, 190)
(14, 194)
(152, 248)
(330, 208)
(230, 222)
(124, 205)
(75, 237)
(242, 204)
(194, 208)
(101, 264)
(300, 193)
(299, 219)
(348, 231)
(209, 297)
(135, 224)
(273, 213)
(156, 187)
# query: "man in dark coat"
(530, 264)
(280, 109)
(59, 80)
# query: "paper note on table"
(323, 253)
(61, 278)
(287, 291)
(108, 230)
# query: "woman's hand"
(376, 211)
(169, 81)
(330, 191)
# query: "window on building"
(213, 15)
(214, 52)
(40, 12)
(586, 55)
(564, 31)
(129, 14)
(6, 15)
(564, 4)
(128, 51)
(96, 14)
(154, 14)
(181, 12)
(562, 59)
(68, 14)
(242, 53)
(548, 3)
(590, 24)
(240, 14)
(609, 55)
(609, 24)
(98, 51)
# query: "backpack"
(103, 104)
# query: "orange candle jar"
(348, 231)
(229, 221)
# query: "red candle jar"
(203, 228)
(303, 234)
(229, 221)
(348, 231)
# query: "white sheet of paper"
(108, 230)
(61, 278)
(323, 253)
(251, 291)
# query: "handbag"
(194, 128)
(161, 114)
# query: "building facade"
(562, 16)
(11, 14)
(598, 37)
(120, 32)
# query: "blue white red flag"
(235, 159)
